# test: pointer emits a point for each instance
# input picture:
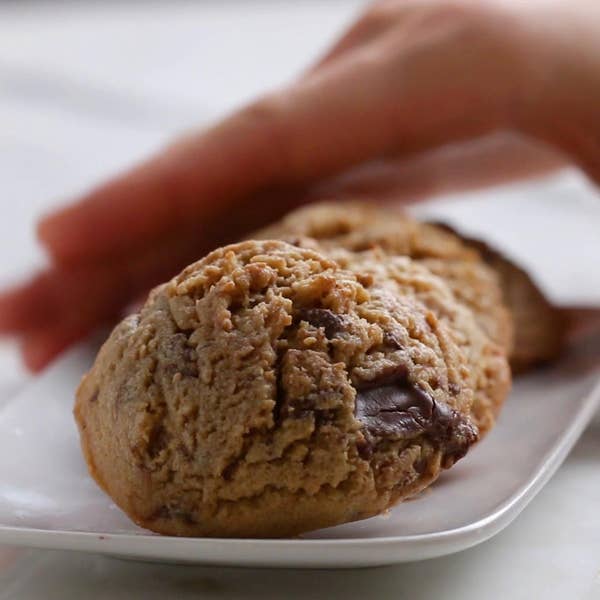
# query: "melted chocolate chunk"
(397, 409)
(331, 322)
(392, 410)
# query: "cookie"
(533, 331)
(363, 229)
(361, 226)
(268, 390)
(505, 300)
(540, 328)
(485, 359)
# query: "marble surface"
(87, 88)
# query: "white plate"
(48, 500)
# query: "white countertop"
(87, 88)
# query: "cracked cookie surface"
(485, 359)
(360, 226)
(362, 236)
(532, 331)
(269, 390)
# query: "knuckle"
(262, 112)
(461, 13)
(463, 21)
(380, 13)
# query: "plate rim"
(428, 545)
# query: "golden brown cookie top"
(359, 227)
(362, 226)
(294, 322)
(267, 370)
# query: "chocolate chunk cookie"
(539, 328)
(270, 390)
(485, 359)
(531, 330)
(359, 227)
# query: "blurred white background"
(88, 88)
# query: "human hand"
(418, 97)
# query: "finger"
(496, 159)
(581, 321)
(77, 299)
(185, 185)
(27, 305)
(375, 20)
(60, 295)
(40, 348)
(386, 99)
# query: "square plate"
(48, 500)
